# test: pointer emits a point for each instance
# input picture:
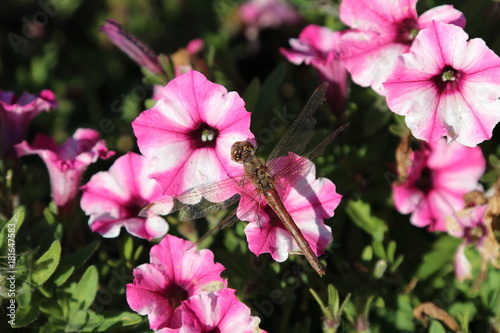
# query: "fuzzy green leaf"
(46, 265)
(85, 291)
(360, 214)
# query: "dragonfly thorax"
(242, 152)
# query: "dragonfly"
(260, 181)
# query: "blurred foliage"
(77, 282)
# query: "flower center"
(204, 136)
(448, 75)
(448, 78)
(215, 330)
(406, 31)
(475, 234)
(424, 183)
(175, 294)
(134, 206)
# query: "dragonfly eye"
(241, 151)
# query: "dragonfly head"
(242, 151)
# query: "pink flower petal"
(438, 178)
(308, 200)
(16, 113)
(463, 108)
(217, 312)
(67, 163)
(113, 199)
(132, 46)
(186, 136)
(463, 268)
(268, 13)
(369, 57)
(319, 46)
(443, 13)
(173, 276)
(376, 14)
(383, 30)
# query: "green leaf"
(367, 253)
(128, 248)
(391, 251)
(374, 120)
(50, 215)
(118, 320)
(251, 95)
(72, 262)
(379, 250)
(23, 295)
(463, 312)
(46, 265)
(360, 213)
(51, 308)
(26, 315)
(436, 327)
(9, 231)
(84, 321)
(85, 290)
(270, 88)
(441, 257)
(51, 327)
(396, 263)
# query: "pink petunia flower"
(187, 136)
(447, 86)
(136, 49)
(67, 163)
(319, 46)
(114, 198)
(470, 225)
(174, 275)
(382, 31)
(220, 311)
(262, 14)
(268, 13)
(438, 177)
(308, 200)
(16, 113)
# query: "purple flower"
(382, 31)
(16, 114)
(132, 46)
(220, 311)
(447, 86)
(187, 136)
(308, 200)
(268, 13)
(67, 163)
(175, 274)
(438, 177)
(319, 46)
(471, 225)
(114, 198)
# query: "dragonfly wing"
(199, 201)
(320, 148)
(301, 131)
(227, 222)
(203, 208)
(161, 207)
(287, 169)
